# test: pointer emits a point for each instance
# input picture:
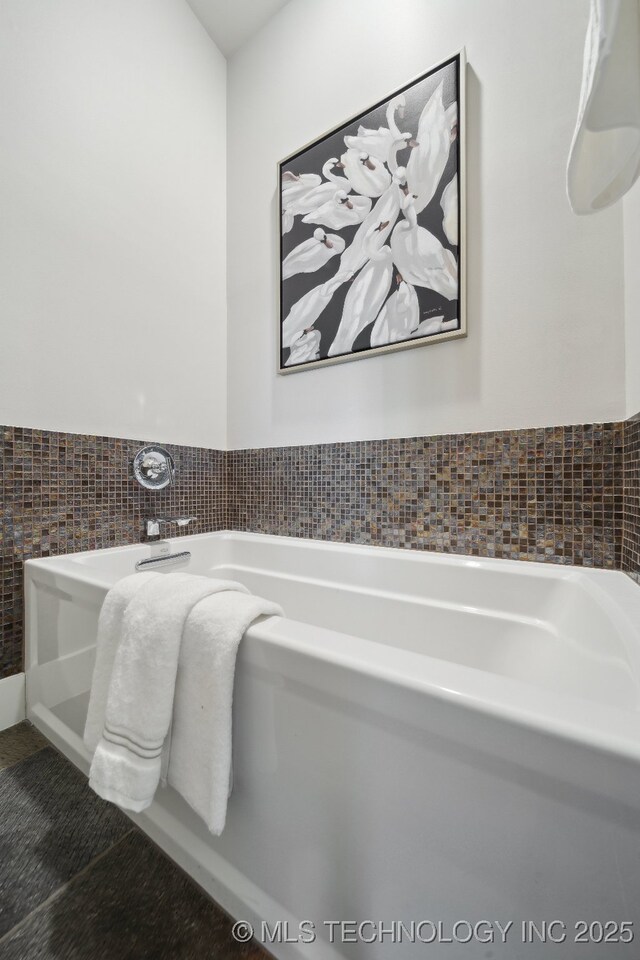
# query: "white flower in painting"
(342, 210)
(378, 143)
(392, 162)
(305, 348)
(313, 197)
(367, 175)
(398, 317)
(312, 254)
(381, 219)
(421, 258)
(295, 186)
(452, 120)
(434, 325)
(287, 221)
(364, 299)
(449, 204)
(429, 157)
(308, 308)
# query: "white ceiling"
(231, 22)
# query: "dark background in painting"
(313, 159)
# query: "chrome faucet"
(152, 525)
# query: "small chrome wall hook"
(153, 467)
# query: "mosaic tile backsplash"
(61, 492)
(559, 494)
(631, 483)
(551, 494)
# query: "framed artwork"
(372, 228)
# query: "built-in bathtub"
(422, 738)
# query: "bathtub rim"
(548, 569)
(589, 723)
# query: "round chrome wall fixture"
(153, 467)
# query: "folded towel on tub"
(110, 627)
(142, 645)
(201, 732)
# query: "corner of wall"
(631, 248)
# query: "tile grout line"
(56, 893)
(134, 829)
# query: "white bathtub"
(423, 738)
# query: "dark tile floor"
(79, 882)
(18, 743)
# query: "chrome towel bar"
(165, 559)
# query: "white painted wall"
(631, 205)
(112, 231)
(546, 307)
(112, 235)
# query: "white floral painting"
(372, 229)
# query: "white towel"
(604, 161)
(109, 635)
(126, 764)
(201, 733)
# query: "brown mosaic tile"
(61, 493)
(552, 494)
(557, 494)
(631, 487)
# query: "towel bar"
(166, 559)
